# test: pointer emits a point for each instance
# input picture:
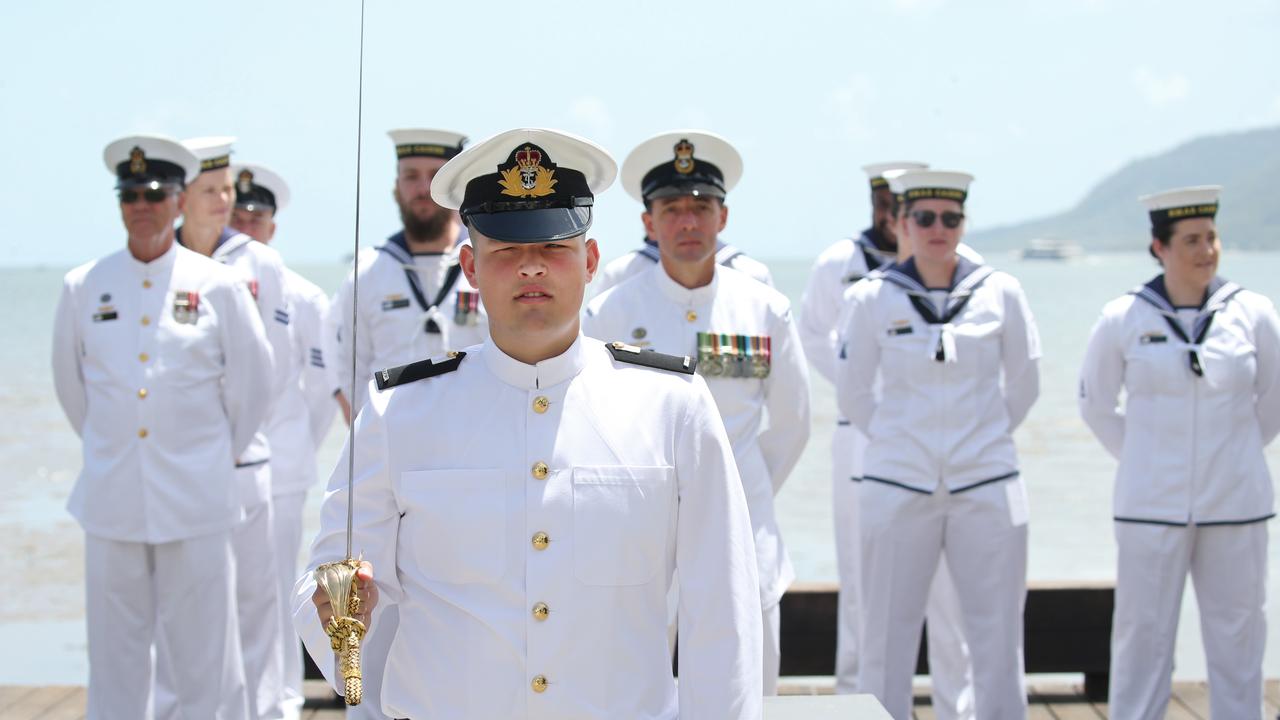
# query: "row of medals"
(737, 356)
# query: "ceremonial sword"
(338, 579)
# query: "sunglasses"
(925, 218)
(129, 197)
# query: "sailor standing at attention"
(955, 352)
(833, 274)
(303, 414)
(413, 300)
(528, 501)
(1198, 360)
(740, 330)
(159, 361)
(414, 304)
(210, 198)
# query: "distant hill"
(1109, 218)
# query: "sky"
(1039, 99)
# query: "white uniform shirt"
(163, 398)
(639, 484)
(306, 407)
(393, 321)
(1190, 447)
(767, 418)
(637, 261)
(837, 268)
(948, 421)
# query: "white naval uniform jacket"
(639, 485)
(836, 269)
(398, 321)
(306, 406)
(652, 310)
(934, 421)
(163, 399)
(637, 261)
(1190, 446)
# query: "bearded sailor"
(740, 329)
(939, 362)
(1196, 358)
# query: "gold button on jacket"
(541, 611)
(540, 404)
(540, 470)
(691, 316)
(539, 683)
(541, 540)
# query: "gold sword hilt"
(338, 581)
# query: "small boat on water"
(1051, 249)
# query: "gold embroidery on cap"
(528, 178)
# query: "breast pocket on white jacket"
(621, 518)
(454, 524)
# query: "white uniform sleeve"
(1020, 351)
(247, 356)
(721, 635)
(375, 526)
(273, 304)
(1267, 381)
(340, 334)
(1101, 379)
(68, 379)
(857, 361)
(819, 313)
(786, 393)
(317, 384)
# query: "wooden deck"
(1048, 702)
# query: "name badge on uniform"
(105, 312)
(186, 307)
(740, 356)
(395, 302)
(466, 308)
(1153, 338)
(900, 327)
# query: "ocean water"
(1068, 475)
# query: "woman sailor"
(1198, 359)
(957, 353)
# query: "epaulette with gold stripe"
(633, 355)
(415, 371)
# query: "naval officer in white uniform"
(413, 300)
(159, 362)
(1197, 358)
(303, 414)
(955, 350)
(741, 331)
(529, 501)
(833, 275)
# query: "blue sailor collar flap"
(633, 355)
(397, 247)
(968, 276)
(867, 243)
(420, 370)
(1216, 297)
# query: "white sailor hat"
(421, 142)
(151, 160)
(1182, 203)
(526, 185)
(259, 188)
(934, 185)
(214, 151)
(681, 162)
(893, 178)
(876, 172)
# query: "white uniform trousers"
(258, 616)
(373, 663)
(181, 591)
(286, 520)
(904, 534)
(1228, 568)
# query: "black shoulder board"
(415, 371)
(623, 352)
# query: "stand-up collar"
(545, 374)
(156, 267)
(682, 295)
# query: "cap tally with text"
(150, 160)
(214, 151)
(681, 162)
(876, 172)
(417, 142)
(1182, 203)
(934, 185)
(259, 188)
(526, 185)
